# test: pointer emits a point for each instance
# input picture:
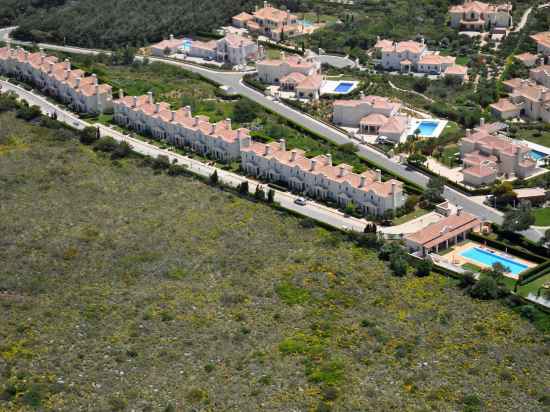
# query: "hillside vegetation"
(110, 24)
(123, 288)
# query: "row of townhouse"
(479, 16)
(180, 127)
(316, 177)
(232, 49)
(413, 56)
(74, 88)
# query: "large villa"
(271, 22)
(479, 16)
(232, 49)
(56, 78)
(372, 115)
(487, 155)
(413, 56)
(543, 43)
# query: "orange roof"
(273, 14)
(395, 124)
(293, 77)
(312, 82)
(542, 38)
(526, 57)
(376, 102)
(374, 119)
(504, 105)
(445, 229)
(400, 47)
(243, 16)
(479, 171)
(431, 58)
(456, 70)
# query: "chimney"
(378, 175)
(171, 37)
(361, 94)
(482, 121)
(212, 128)
(362, 182)
(26, 56)
(329, 159)
(78, 79)
(187, 110)
(66, 74)
(134, 101)
(459, 210)
(266, 4)
(283, 55)
(68, 64)
(468, 132)
(267, 151)
(95, 78)
(150, 97)
(282, 143)
(312, 164)
(157, 107)
(377, 39)
(120, 94)
(228, 123)
(342, 171)
(293, 155)
(422, 41)
(172, 115)
(50, 68)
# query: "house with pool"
(232, 49)
(487, 155)
(442, 234)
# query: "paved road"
(234, 80)
(313, 210)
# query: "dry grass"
(130, 290)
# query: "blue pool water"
(186, 46)
(305, 23)
(343, 87)
(536, 155)
(487, 258)
(427, 128)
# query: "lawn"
(449, 155)
(410, 216)
(536, 133)
(124, 288)
(533, 287)
(542, 216)
(471, 267)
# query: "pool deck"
(455, 257)
(329, 87)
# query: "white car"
(300, 201)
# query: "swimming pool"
(488, 258)
(186, 46)
(343, 87)
(305, 23)
(536, 155)
(427, 127)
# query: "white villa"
(543, 43)
(317, 177)
(413, 56)
(486, 155)
(271, 71)
(271, 22)
(479, 16)
(372, 115)
(81, 93)
(232, 49)
(529, 98)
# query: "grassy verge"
(542, 216)
(410, 216)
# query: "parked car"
(300, 201)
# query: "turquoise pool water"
(427, 127)
(305, 23)
(343, 87)
(487, 258)
(186, 46)
(536, 155)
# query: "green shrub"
(292, 295)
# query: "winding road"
(234, 80)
